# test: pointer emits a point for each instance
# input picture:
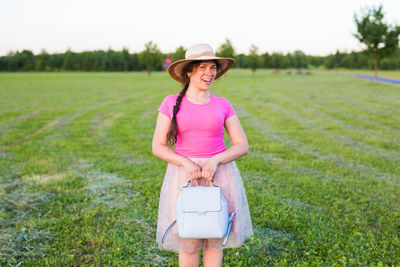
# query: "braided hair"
(173, 131)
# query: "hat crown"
(199, 50)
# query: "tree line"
(112, 60)
(99, 60)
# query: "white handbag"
(202, 212)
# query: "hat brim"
(175, 69)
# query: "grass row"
(80, 186)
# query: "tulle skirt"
(227, 176)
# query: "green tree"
(112, 61)
(126, 57)
(105, 62)
(380, 38)
(151, 57)
(299, 59)
(266, 60)
(287, 61)
(348, 61)
(276, 60)
(316, 61)
(329, 62)
(179, 54)
(241, 61)
(253, 59)
(27, 60)
(55, 62)
(226, 50)
(89, 61)
(135, 62)
(68, 60)
(42, 61)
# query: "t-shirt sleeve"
(165, 107)
(230, 111)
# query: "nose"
(209, 71)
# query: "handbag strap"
(167, 231)
(228, 231)
(212, 181)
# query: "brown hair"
(173, 131)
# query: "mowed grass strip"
(353, 138)
(322, 175)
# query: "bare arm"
(240, 145)
(160, 145)
(161, 149)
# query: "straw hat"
(199, 52)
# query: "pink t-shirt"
(200, 126)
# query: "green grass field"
(79, 185)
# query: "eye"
(214, 67)
(203, 67)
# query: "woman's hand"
(209, 169)
(192, 169)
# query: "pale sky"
(317, 27)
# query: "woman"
(193, 121)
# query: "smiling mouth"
(207, 80)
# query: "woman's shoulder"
(171, 98)
(222, 99)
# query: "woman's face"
(203, 75)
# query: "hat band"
(205, 53)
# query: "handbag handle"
(212, 181)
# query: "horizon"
(169, 53)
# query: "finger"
(195, 174)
